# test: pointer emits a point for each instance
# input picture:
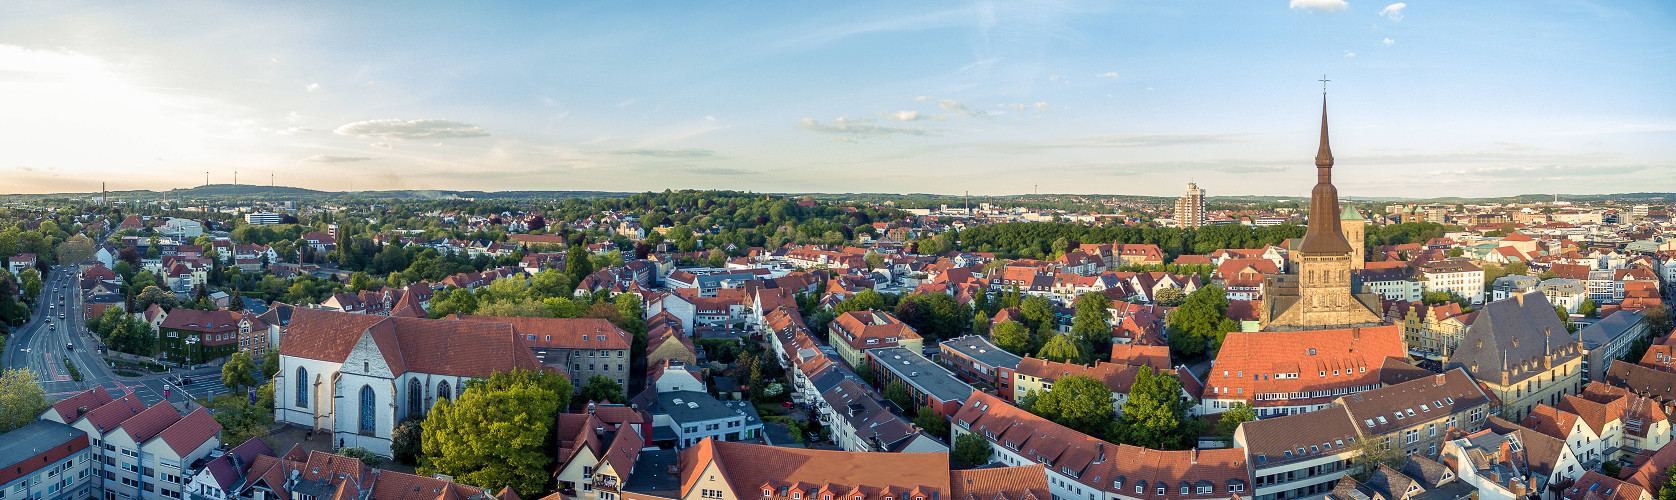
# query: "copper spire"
(1324, 156)
(1325, 235)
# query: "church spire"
(1324, 156)
(1325, 234)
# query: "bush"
(75, 374)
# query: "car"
(52, 327)
(185, 381)
(69, 347)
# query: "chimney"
(1193, 456)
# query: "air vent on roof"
(691, 404)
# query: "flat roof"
(981, 350)
(34, 439)
(930, 378)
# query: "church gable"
(366, 359)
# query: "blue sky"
(1427, 98)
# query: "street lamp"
(190, 342)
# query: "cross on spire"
(1323, 81)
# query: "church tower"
(1355, 227)
(1319, 295)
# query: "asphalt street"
(56, 331)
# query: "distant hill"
(247, 192)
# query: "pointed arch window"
(415, 398)
(302, 387)
(369, 419)
(443, 391)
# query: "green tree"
(270, 364)
(1155, 416)
(366, 457)
(577, 264)
(236, 373)
(76, 249)
(1231, 419)
(496, 432)
(564, 307)
(21, 399)
(1376, 452)
(516, 308)
(1062, 348)
(1037, 310)
(932, 423)
(602, 388)
(864, 300)
(971, 450)
(1667, 489)
(407, 440)
(1081, 403)
(897, 392)
(1201, 322)
(240, 421)
(1169, 297)
(1588, 308)
(873, 259)
(550, 283)
(154, 295)
(1092, 323)
(1012, 336)
(980, 324)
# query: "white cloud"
(1393, 11)
(626, 103)
(422, 129)
(1389, 42)
(384, 145)
(913, 116)
(958, 108)
(849, 129)
(666, 153)
(1108, 74)
(311, 87)
(1041, 105)
(294, 131)
(1059, 79)
(1349, 54)
(1320, 5)
(336, 159)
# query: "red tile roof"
(146, 424)
(1252, 363)
(748, 467)
(190, 432)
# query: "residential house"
(577, 347)
(46, 459)
(853, 333)
(1298, 455)
(1609, 339)
(929, 384)
(1083, 466)
(1415, 416)
(974, 359)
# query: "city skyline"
(1427, 100)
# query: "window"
(302, 387)
(415, 398)
(767, 492)
(1160, 490)
(369, 420)
(443, 391)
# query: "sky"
(1426, 98)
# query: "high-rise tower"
(1190, 208)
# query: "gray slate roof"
(1516, 329)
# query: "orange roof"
(1028, 482)
(1252, 363)
(747, 467)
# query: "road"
(56, 330)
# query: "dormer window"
(1160, 490)
(826, 496)
(767, 492)
(796, 495)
